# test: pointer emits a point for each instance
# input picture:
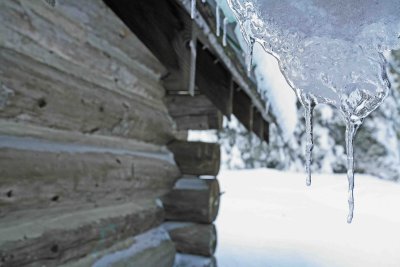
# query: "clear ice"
(351, 129)
(308, 104)
(225, 33)
(251, 42)
(218, 20)
(193, 52)
(193, 9)
(330, 52)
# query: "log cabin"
(96, 100)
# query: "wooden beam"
(193, 238)
(153, 248)
(167, 30)
(258, 124)
(65, 170)
(230, 55)
(52, 240)
(196, 158)
(243, 108)
(66, 102)
(193, 200)
(266, 132)
(195, 113)
(214, 80)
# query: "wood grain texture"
(193, 238)
(55, 240)
(166, 29)
(193, 200)
(258, 124)
(243, 109)
(214, 80)
(196, 158)
(62, 69)
(153, 248)
(193, 112)
(44, 169)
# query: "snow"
(270, 80)
(273, 85)
(330, 53)
(208, 136)
(270, 218)
(186, 260)
(40, 145)
(190, 184)
(142, 242)
(281, 97)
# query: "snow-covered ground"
(270, 218)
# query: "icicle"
(351, 129)
(193, 9)
(193, 52)
(250, 55)
(225, 33)
(218, 20)
(308, 114)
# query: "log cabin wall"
(83, 129)
(94, 113)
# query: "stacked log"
(153, 248)
(193, 200)
(192, 205)
(193, 238)
(196, 158)
(194, 112)
(83, 130)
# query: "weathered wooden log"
(214, 80)
(193, 238)
(199, 122)
(196, 158)
(167, 30)
(57, 71)
(193, 200)
(94, 45)
(243, 108)
(266, 132)
(187, 260)
(194, 112)
(51, 169)
(153, 248)
(52, 240)
(258, 124)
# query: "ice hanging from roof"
(330, 52)
(224, 36)
(308, 114)
(218, 20)
(193, 9)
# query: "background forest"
(377, 146)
